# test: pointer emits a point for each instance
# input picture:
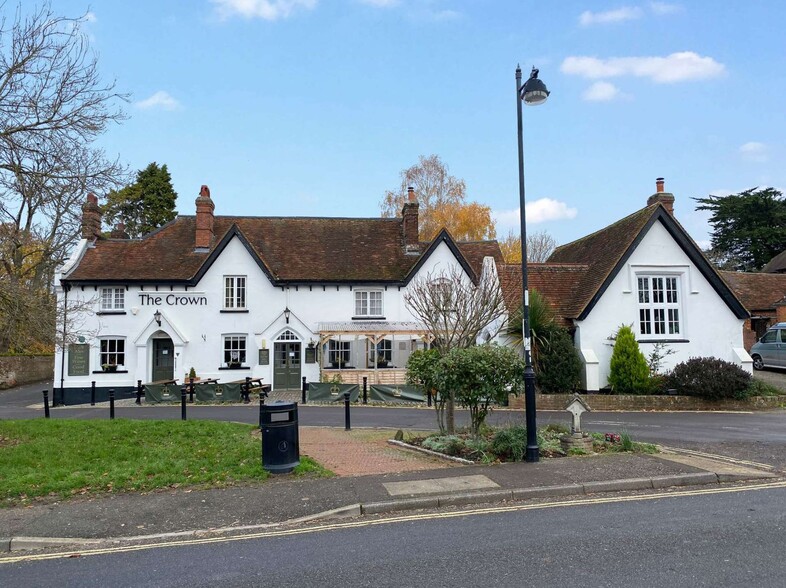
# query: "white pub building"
(277, 298)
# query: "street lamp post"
(533, 92)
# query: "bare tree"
(457, 313)
(443, 202)
(53, 106)
(540, 245)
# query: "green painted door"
(163, 360)
(286, 366)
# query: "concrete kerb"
(458, 499)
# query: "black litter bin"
(280, 445)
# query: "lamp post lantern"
(532, 92)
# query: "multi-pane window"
(383, 351)
(234, 349)
(112, 298)
(113, 351)
(368, 303)
(659, 306)
(234, 292)
(338, 352)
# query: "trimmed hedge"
(710, 378)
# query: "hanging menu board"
(78, 359)
(264, 357)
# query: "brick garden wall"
(25, 369)
(610, 402)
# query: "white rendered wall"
(197, 330)
(709, 328)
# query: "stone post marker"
(577, 440)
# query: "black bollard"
(139, 391)
(261, 405)
(93, 393)
(346, 412)
(183, 403)
(111, 403)
(191, 390)
(247, 391)
(304, 389)
(46, 404)
(365, 390)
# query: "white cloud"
(601, 92)
(623, 14)
(264, 9)
(663, 8)
(90, 17)
(380, 3)
(538, 211)
(754, 151)
(161, 100)
(677, 67)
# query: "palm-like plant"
(541, 323)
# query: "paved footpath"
(372, 477)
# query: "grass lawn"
(61, 458)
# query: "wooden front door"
(286, 366)
(163, 360)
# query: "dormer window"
(368, 303)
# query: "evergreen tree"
(748, 229)
(146, 204)
(629, 370)
(559, 364)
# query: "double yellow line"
(386, 521)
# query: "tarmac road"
(725, 537)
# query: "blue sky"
(313, 107)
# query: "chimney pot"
(411, 194)
(659, 184)
(664, 198)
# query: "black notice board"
(78, 359)
(264, 357)
(311, 355)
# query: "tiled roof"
(601, 250)
(557, 282)
(291, 249)
(757, 292)
(776, 265)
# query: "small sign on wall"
(264, 357)
(311, 355)
(78, 359)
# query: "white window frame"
(659, 304)
(112, 351)
(383, 349)
(369, 303)
(232, 354)
(113, 298)
(235, 291)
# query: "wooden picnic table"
(162, 383)
(249, 384)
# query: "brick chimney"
(119, 232)
(91, 218)
(204, 219)
(410, 222)
(665, 198)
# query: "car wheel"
(758, 364)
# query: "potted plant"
(337, 363)
(109, 367)
(234, 360)
(382, 361)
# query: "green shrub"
(629, 373)
(447, 444)
(710, 378)
(510, 443)
(559, 364)
(759, 388)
